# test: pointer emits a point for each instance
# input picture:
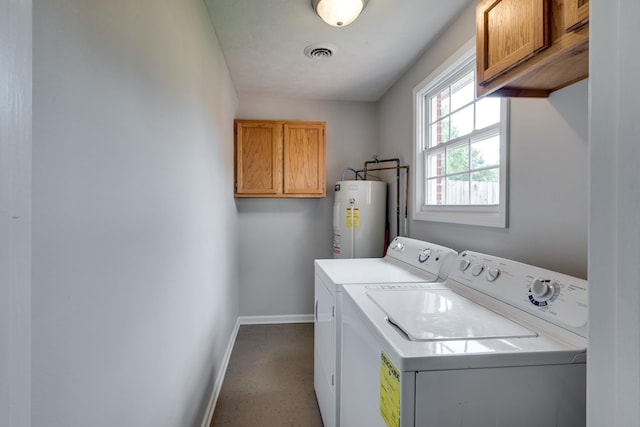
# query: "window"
(460, 153)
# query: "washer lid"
(442, 314)
(371, 270)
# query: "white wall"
(280, 238)
(134, 224)
(548, 167)
(15, 213)
(613, 365)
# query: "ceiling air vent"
(319, 51)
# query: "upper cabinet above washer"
(530, 48)
(509, 32)
(576, 13)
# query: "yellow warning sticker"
(355, 214)
(389, 392)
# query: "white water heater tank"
(359, 217)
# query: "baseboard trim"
(217, 387)
(265, 320)
(245, 320)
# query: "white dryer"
(407, 261)
(499, 343)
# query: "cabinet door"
(304, 159)
(508, 32)
(576, 13)
(258, 157)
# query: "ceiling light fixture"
(338, 13)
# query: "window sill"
(467, 216)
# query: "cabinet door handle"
(315, 311)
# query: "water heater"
(359, 217)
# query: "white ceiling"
(264, 40)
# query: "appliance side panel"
(360, 359)
(324, 352)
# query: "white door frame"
(15, 212)
(613, 356)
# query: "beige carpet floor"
(269, 381)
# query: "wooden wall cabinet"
(280, 159)
(530, 47)
(576, 13)
(512, 31)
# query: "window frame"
(480, 215)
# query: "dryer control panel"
(555, 297)
(425, 256)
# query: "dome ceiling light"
(338, 13)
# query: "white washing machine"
(407, 261)
(499, 343)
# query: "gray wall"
(280, 238)
(134, 292)
(548, 167)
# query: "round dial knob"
(424, 255)
(492, 273)
(477, 269)
(398, 246)
(464, 264)
(542, 289)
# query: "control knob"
(424, 255)
(464, 264)
(397, 245)
(542, 289)
(477, 269)
(492, 273)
